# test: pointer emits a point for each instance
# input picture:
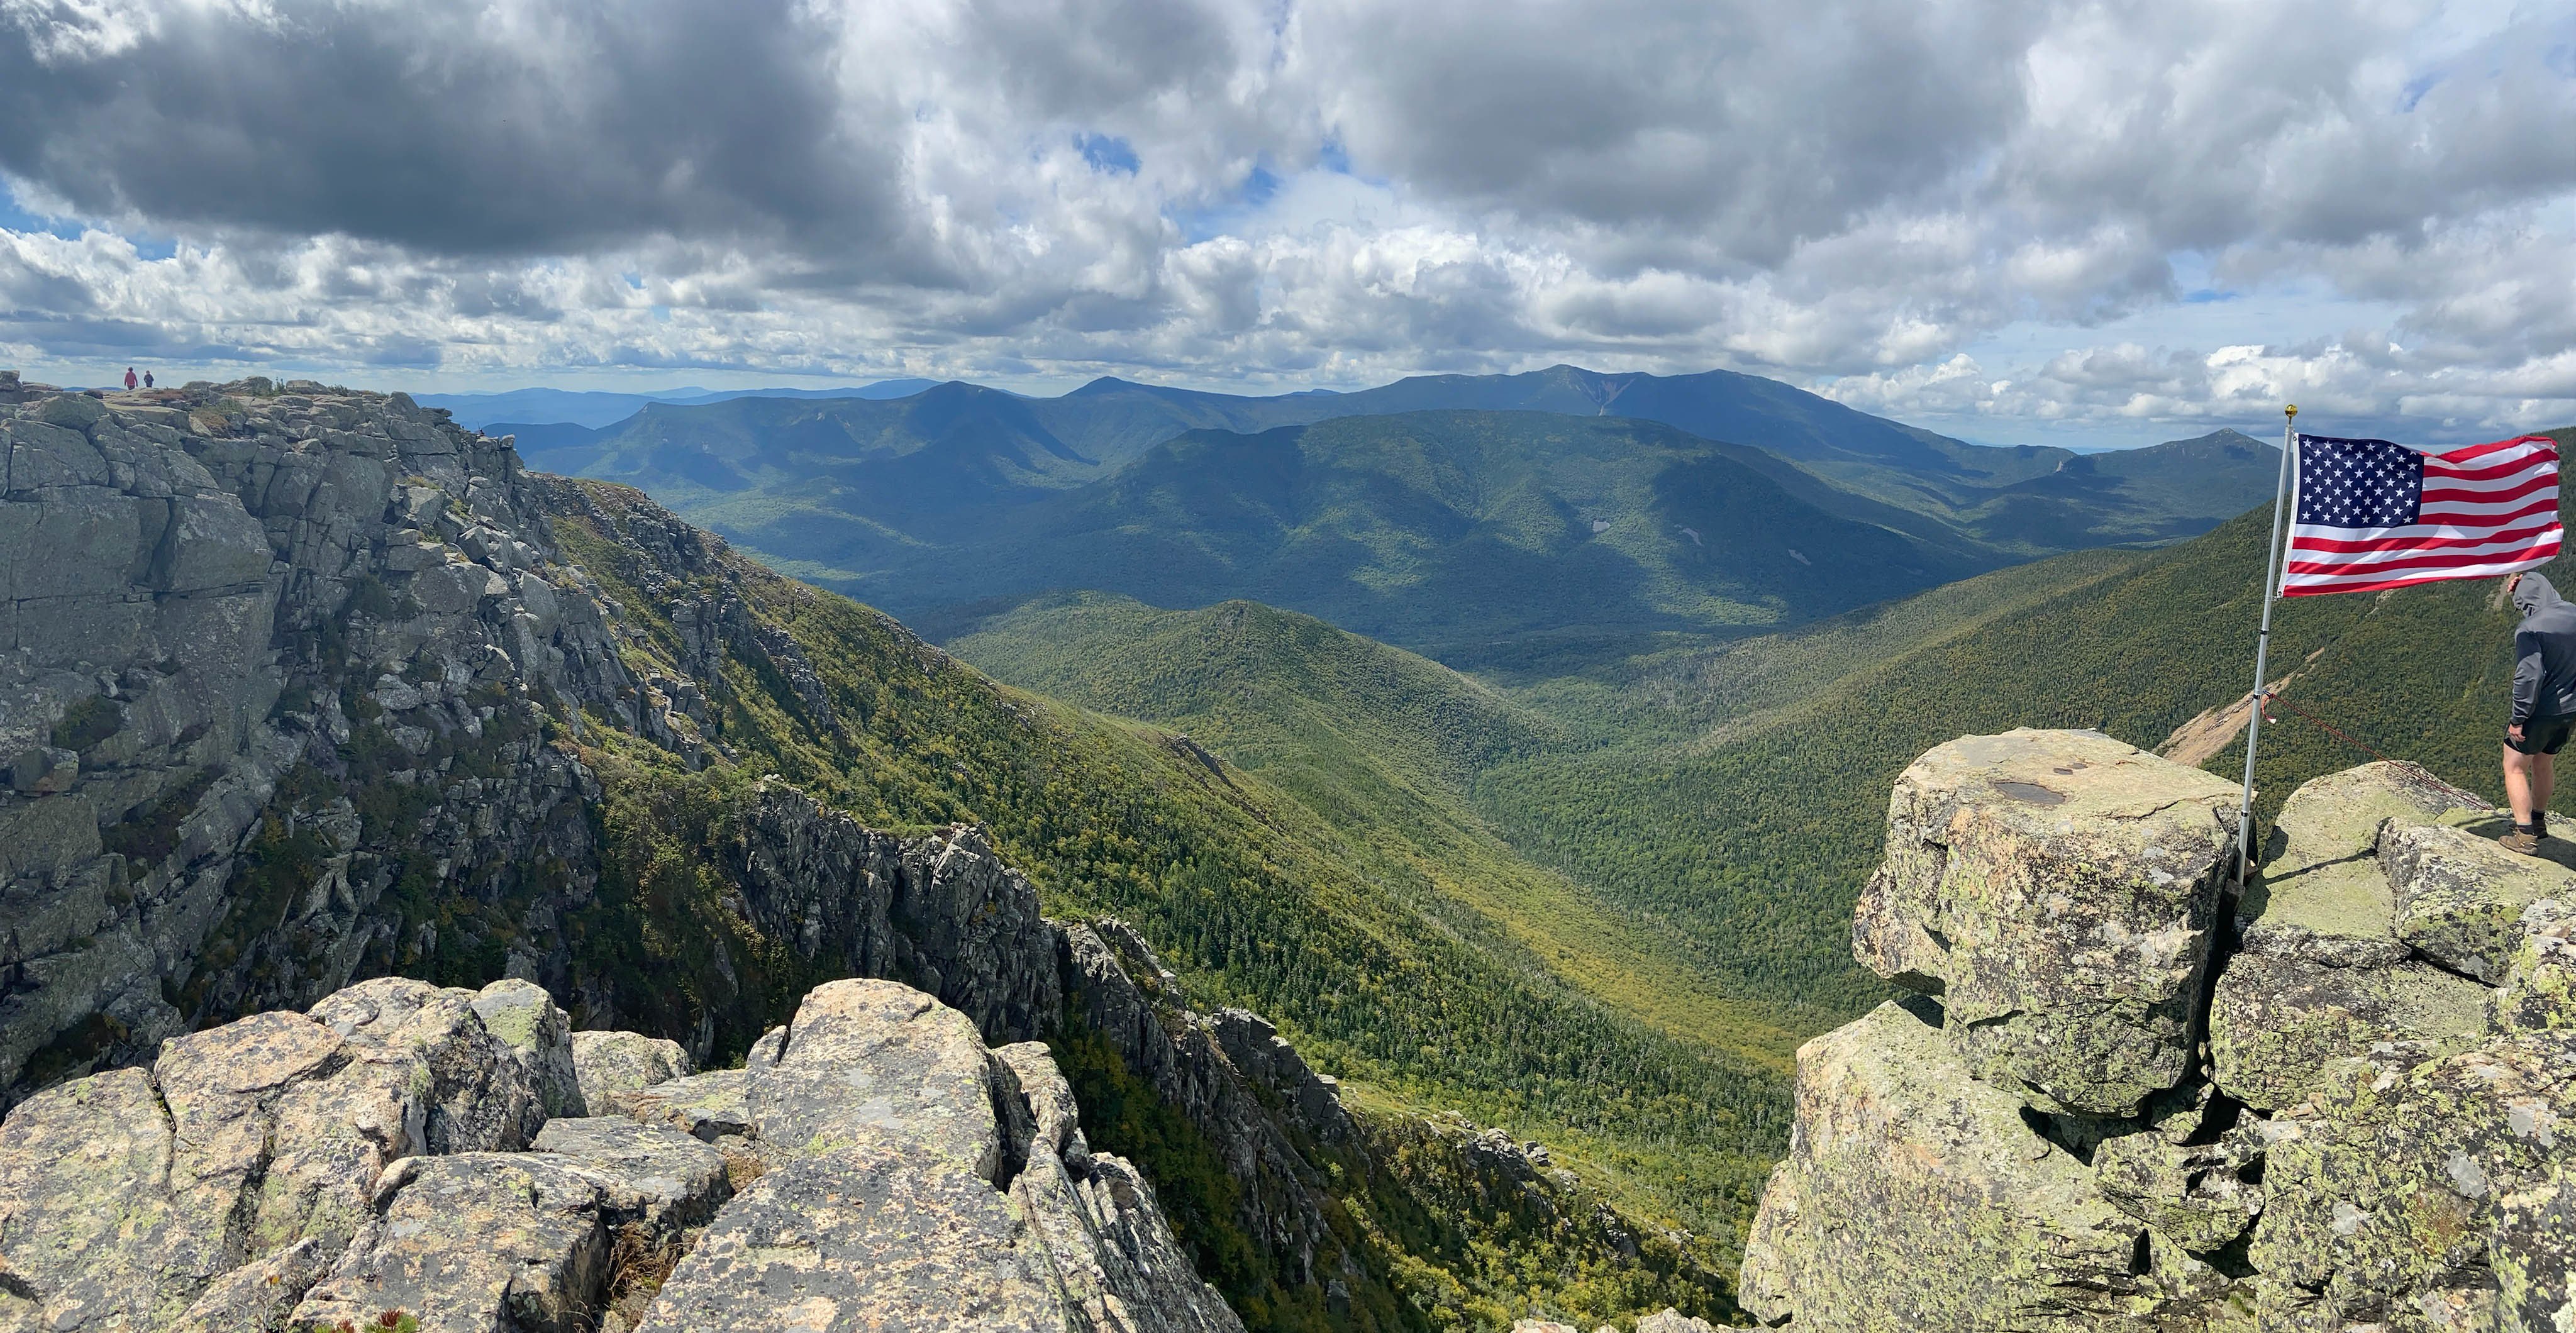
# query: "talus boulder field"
(2364, 1129)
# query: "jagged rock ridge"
(2125, 1100)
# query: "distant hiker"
(129, 379)
(2544, 704)
(147, 379)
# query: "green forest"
(1250, 894)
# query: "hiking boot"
(2521, 840)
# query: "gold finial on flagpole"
(2291, 410)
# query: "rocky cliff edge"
(2121, 1098)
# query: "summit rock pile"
(404, 1149)
(2123, 1099)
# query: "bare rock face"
(2058, 890)
(2459, 898)
(259, 1142)
(1905, 1163)
(389, 1154)
(612, 1062)
(203, 595)
(2406, 1186)
(2376, 1140)
(917, 1179)
(2323, 975)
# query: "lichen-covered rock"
(1673, 1321)
(2539, 991)
(2323, 975)
(710, 1107)
(127, 1197)
(864, 1054)
(650, 1174)
(81, 1164)
(2459, 898)
(916, 1179)
(2276, 1023)
(2196, 1195)
(2323, 895)
(2404, 1184)
(1916, 1196)
(2534, 1252)
(474, 1241)
(898, 1237)
(302, 1171)
(612, 1062)
(1093, 1222)
(522, 1015)
(2058, 890)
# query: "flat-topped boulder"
(2057, 889)
(127, 1197)
(2459, 897)
(2323, 895)
(605, 1063)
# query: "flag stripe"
(2490, 514)
(2489, 494)
(2436, 560)
(2500, 560)
(2482, 450)
(2475, 512)
(2462, 539)
(2479, 572)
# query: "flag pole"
(2263, 647)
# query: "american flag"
(2374, 515)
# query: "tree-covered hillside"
(1448, 533)
(1356, 951)
(905, 501)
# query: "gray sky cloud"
(2009, 220)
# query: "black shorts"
(2543, 735)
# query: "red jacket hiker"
(130, 381)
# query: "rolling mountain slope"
(1382, 745)
(480, 411)
(864, 477)
(1456, 534)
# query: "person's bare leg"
(2544, 772)
(2518, 783)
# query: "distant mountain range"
(1447, 514)
(590, 410)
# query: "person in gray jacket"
(2544, 704)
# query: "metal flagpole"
(2263, 646)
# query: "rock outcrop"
(2363, 1130)
(2058, 891)
(203, 595)
(388, 1153)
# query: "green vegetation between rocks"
(1244, 889)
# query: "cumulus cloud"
(1851, 194)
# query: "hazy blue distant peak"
(594, 409)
